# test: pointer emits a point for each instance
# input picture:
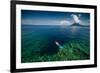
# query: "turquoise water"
(38, 41)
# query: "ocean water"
(40, 39)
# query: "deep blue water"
(43, 37)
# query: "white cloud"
(47, 22)
(76, 18)
(65, 22)
(27, 21)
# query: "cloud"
(65, 22)
(27, 21)
(76, 18)
(37, 22)
(45, 22)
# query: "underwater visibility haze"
(54, 36)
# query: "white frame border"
(20, 65)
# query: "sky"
(33, 17)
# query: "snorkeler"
(57, 43)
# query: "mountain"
(77, 24)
